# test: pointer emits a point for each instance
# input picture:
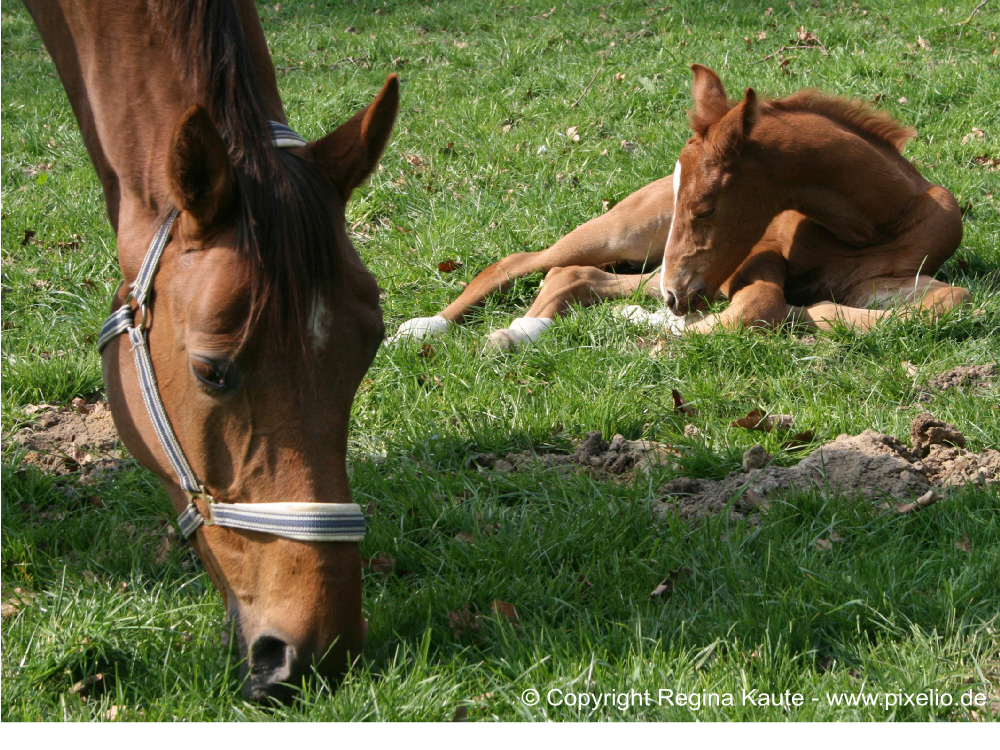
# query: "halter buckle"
(201, 494)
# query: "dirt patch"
(870, 465)
(67, 439)
(617, 458)
(968, 378)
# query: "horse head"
(261, 323)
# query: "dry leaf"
(114, 712)
(462, 621)
(414, 161)
(928, 498)
(381, 564)
(572, 133)
(680, 405)
(501, 607)
(461, 713)
(761, 36)
(448, 266)
(629, 146)
(923, 42)
(93, 685)
(762, 422)
(668, 584)
(463, 537)
(964, 544)
(903, 100)
(426, 351)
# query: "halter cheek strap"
(311, 522)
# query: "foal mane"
(854, 114)
(285, 229)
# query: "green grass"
(896, 606)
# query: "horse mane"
(854, 114)
(285, 232)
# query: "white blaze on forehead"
(663, 266)
(319, 322)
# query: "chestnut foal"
(799, 208)
(245, 321)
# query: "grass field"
(905, 603)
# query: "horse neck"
(850, 183)
(128, 96)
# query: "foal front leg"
(582, 285)
(634, 231)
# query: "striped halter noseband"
(310, 522)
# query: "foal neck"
(850, 182)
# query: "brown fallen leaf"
(964, 544)
(461, 713)
(426, 351)
(824, 545)
(14, 600)
(414, 161)
(114, 712)
(763, 422)
(163, 550)
(680, 405)
(381, 564)
(29, 235)
(928, 498)
(462, 621)
(502, 608)
(572, 133)
(463, 537)
(668, 584)
(93, 685)
(448, 266)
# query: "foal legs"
(563, 287)
(885, 297)
(634, 231)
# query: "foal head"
(718, 197)
(262, 324)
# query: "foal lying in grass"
(800, 208)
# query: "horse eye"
(216, 374)
(705, 214)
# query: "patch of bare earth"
(67, 439)
(617, 458)
(870, 465)
(966, 378)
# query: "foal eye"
(706, 214)
(215, 374)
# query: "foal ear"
(201, 179)
(349, 154)
(729, 135)
(710, 102)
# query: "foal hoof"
(502, 340)
(418, 328)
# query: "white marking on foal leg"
(521, 331)
(673, 217)
(663, 320)
(418, 328)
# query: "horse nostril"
(270, 656)
(671, 299)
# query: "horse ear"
(710, 102)
(201, 179)
(349, 154)
(729, 135)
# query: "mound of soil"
(615, 459)
(64, 439)
(870, 465)
(964, 377)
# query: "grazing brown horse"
(250, 317)
(799, 208)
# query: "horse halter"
(310, 522)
